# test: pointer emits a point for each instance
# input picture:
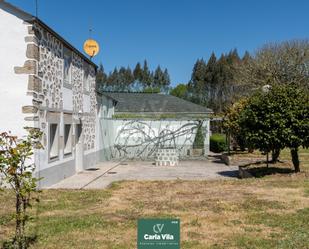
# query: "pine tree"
(138, 72)
(129, 76)
(112, 80)
(196, 85)
(210, 79)
(122, 83)
(246, 58)
(146, 75)
(101, 78)
(158, 77)
(166, 78)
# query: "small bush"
(218, 143)
(199, 138)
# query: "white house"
(48, 84)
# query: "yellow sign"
(91, 47)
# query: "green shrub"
(199, 138)
(218, 143)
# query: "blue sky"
(172, 33)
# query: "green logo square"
(158, 234)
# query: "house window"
(53, 141)
(67, 139)
(86, 78)
(67, 56)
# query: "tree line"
(214, 83)
(139, 79)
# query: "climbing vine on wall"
(141, 139)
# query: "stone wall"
(45, 69)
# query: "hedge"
(218, 143)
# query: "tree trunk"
(228, 137)
(275, 155)
(18, 225)
(267, 159)
(295, 159)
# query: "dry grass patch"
(254, 213)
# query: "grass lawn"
(269, 212)
(285, 158)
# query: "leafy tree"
(18, 174)
(231, 122)
(180, 91)
(276, 119)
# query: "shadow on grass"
(264, 171)
(229, 173)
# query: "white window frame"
(67, 140)
(53, 145)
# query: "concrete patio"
(107, 172)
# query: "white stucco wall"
(13, 87)
(141, 138)
(40, 92)
(104, 127)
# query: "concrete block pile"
(167, 157)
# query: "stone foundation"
(167, 157)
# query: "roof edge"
(12, 9)
(58, 36)
(162, 113)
